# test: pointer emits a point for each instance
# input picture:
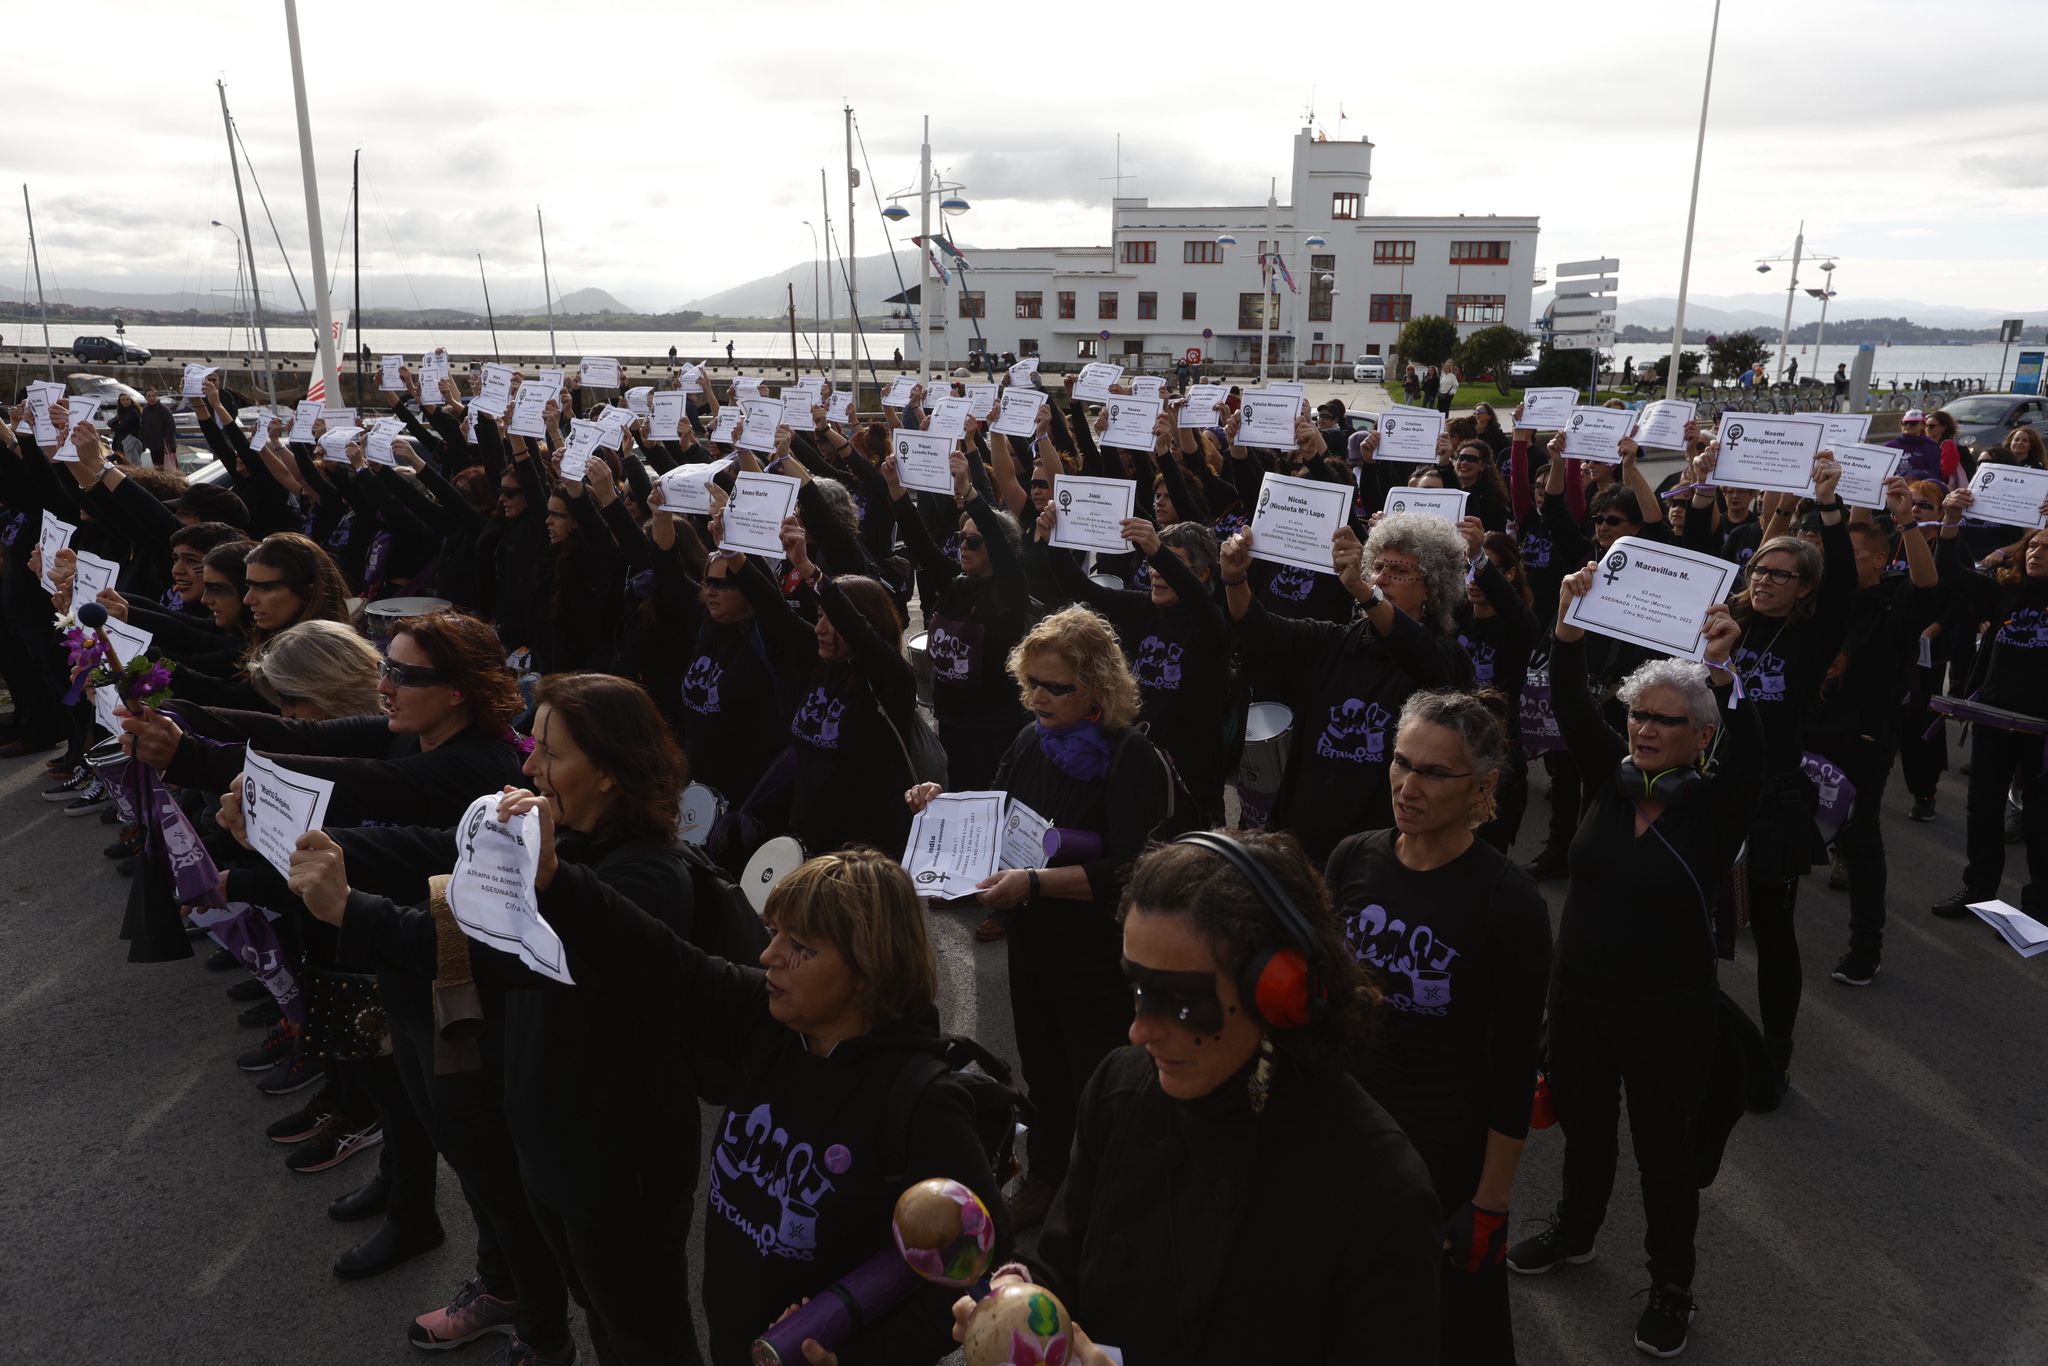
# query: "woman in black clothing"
(975, 609)
(2010, 672)
(520, 552)
(583, 578)
(1473, 468)
(1457, 940)
(1345, 684)
(1632, 1001)
(1235, 1196)
(1089, 773)
(1498, 630)
(1490, 431)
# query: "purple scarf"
(1080, 751)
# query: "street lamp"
(1763, 267)
(1825, 293)
(952, 203)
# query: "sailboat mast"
(831, 318)
(851, 260)
(49, 356)
(488, 315)
(355, 223)
(248, 245)
(547, 288)
(327, 384)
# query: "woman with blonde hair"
(317, 670)
(1083, 768)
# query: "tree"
(1557, 369)
(1428, 340)
(1494, 348)
(1688, 367)
(1736, 352)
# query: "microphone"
(93, 617)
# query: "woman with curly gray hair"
(1346, 684)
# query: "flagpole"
(329, 379)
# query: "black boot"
(367, 1203)
(389, 1246)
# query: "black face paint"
(1187, 998)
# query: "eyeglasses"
(971, 542)
(1393, 572)
(1611, 519)
(1657, 718)
(1051, 689)
(1781, 577)
(1429, 773)
(408, 675)
(1923, 505)
(263, 585)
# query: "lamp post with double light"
(952, 203)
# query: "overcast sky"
(676, 150)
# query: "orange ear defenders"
(1280, 985)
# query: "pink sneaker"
(472, 1313)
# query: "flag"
(940, 267)
(1281, 263)
(944, 244)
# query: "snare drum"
(1268, 730)
(1109, 581)
(771, 863)
(700, 809)
(380, 616)
(921, 665)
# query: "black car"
(107, 348)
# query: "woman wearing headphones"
(1234, 1195)
(1632, 993)
(1457, 940)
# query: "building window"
(1148, 306)
(973, 303)
(1066, 303)
(1139, 253)
(1344, 204)
(1476, 308)
(1319, 354)
(1105, 304)
(1086, 348)
(1393, 253)
(1030, 304)
(1248, 311)
(1321, 295)
(1027, 346)
(1479, 253)
(1187, 308)
(1390, 308)
(1201, 253)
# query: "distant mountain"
(577, 301)
(102, 298)
(768, 296)
(1739, 312)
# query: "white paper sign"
(554, 381)
(1842, 428)
(278, 806)
(1761, 451)
(1130, 422)
(1148, 386)
(1297, 519)
(1447, 504)
(1090, 512)
(1267, 419)
(599, 372)
(303, 417)
(981, 400)
(898, 392)
(1024, 374)
(491, 892)
(195, 380)
(666, 411)
(342, 417)
(1019, 415)
(529, 413)
(383, 432)
(433, 369)
(954, 843)
(1204, 406)
(611, 425)
(754, 515)
(56, 535)
(494, 392)
(388, 378)
(129, 642)
(2009, 495)
(796, 410)
(687, 488)
(949, 418)
(639, 400)
(584, 437)
(1545, 410)
(727, 424)
(1095, 379)
(689, 376)
(1409, 434)
(90, 576)
(104, 700)
(1653, 595)
(924, 461)
(1660, 426)
(335, 441)
(1294, 389)
(1023, 837)
(1596, 433)
(745, 387)
(839, 408)
(757, 425)
(1864, 470)
(42, 393)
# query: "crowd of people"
(1320, 1016)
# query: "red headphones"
(1280, 984)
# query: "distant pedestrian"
(899, 356)
(671, 355)
(159, 430)
(1628, 372)
(1841, 386)
(1181, 373)
(728, 353)
(1446, 390)
(1411, 387)
(1432, 381)
(1748, 379)
(1792, 371)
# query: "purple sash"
(1837, 795)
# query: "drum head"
(1107, 580)
(397, 609)
(1266, 721)
(771, 863)
(920, 642)
(701, 808)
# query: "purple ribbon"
(244, 931)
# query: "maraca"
(1021, 1324)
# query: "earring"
(1261, 1083)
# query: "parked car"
(1984, 420)
(107, 391)
(106, 348)
(1370, 368)
(1522, 369)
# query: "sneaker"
(1549, 1250)
(248, 989)
(335, 1141)
(1661, 1329)
(473, 1312)
(96, 795)
(304, 1122)
(220, 960)
(1838, 873)
(1923, 809)
(79, 781)
(275, 1048)
(1030, 1200)
(302, 1071)
(63, 765)
(261, 1014)
(125, 846)
(517, 1353)
(18, 748)
(991, 929)
(1858, 968)
(1549, 863)
(1954, 906)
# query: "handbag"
(345, 1017)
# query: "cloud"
(2026, 169)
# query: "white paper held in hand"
(761, 416)
(584, 437)
(924, 461)
(491, 890)
(760, 503)
(1660, 426)
(1296, 521)
(1596, 433)
(1654, 595)
(1760, 451)
(1409, 435)
(599, 372)
(1093, 383)
(1090, 512)
(687, 488)
(1019, 413)
(1130, 422)
(955, 844)
(278, 806)
(1266, 420)
(195, 380)
(1445, 504)
(1545, 410)
(529, 411)
(2010, 495)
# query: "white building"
(1166, 285)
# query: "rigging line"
(403, 269)
(888, 228)
(334, 266)
(860, 339)
(278, 237)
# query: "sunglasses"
(721, 585)
(409, 675)
(1611, 519)
(1465, 458)
(1040, 484)
(217, 590)
(262, 585)
(1657, 718)
(971, 542)
(1923, 505)
(504, 492)
(1051, 689)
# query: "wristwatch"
(1378, 599)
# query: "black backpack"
(722, 920)
(999, 1107)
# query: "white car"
(1522, 369)
(1368, 369)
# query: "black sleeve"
(1592, 743)
(842, 550)
(1006, 566)
(1517, 617)
(632, 542)
(1521, 981)
(886, 670)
